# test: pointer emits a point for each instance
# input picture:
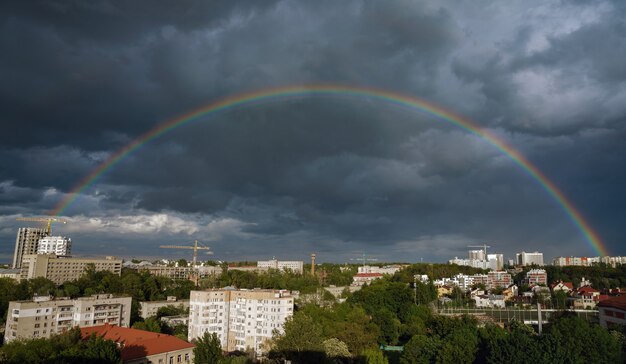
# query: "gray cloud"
(337, 175)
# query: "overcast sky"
(334, 176)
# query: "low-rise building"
(360, 279)
(612, 312)
(150, 308)
(10, 273)
(241, 319)
(389, 269)
(585, 298)
(63, 269)
(44, 316)
(562, 286)
(296, 266)
(489, 301)
(139, 346)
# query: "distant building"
(63, 269)
(248, 268)
(526, 259)
(499, 279)
(477, 259)
(44, 316)
(139, 346)
(26, 243)
(59, 245)
(150, 308)
(360, 279)
(585, 298)
(295, 266)
(562, 286)
(10, 273)
(489, 301)
(536, 277)
(241, 319)
(180, 272)
(389, 269)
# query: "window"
(180, 358)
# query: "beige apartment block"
(242, 319)
(63, 269)
(44, 316)
(181, 272)
(150, 308)
(26, 242)
(296, 266)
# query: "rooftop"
(135, 343)
(618, 302)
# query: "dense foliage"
(68, 347)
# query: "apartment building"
(150, 308)
(59, 245)
(44, 316)
(242, 319)
(499, 279)
(63, 269)
(181, 272)
(536, 277)
(388, 269)
(294, 266)
(26, 242)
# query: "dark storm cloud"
(336, 175)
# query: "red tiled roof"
(618, 302)
(368, 275)
(586, 290)
(569, 285)
(137, 343)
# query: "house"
(490, 301)
(612, 311)
(562, 286)
(139, 346)
(361, 278)
(444, 291)
(585, 298)
(510, 292)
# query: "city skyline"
(329, 174)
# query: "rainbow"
(280, 93)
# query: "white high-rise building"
(525, 259)
(59, 245)
(242, 319)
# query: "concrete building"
(536, 277)
(490, 261)
(389, 269)
(44, 316)
(150, 308)
(26, 243)
(499, 279)
(526, 259)
(139, 346)
(10, 273)
(296, 266)
(477, 254)
(59, 245)
(63, 269)
(242, 319)
(180, 272)
(489, 301)
(613, 312)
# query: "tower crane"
(195, 248)
(48, 220)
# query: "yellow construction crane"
(195, 248)
(48, 220)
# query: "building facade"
(26, 243)
(241, 319)
(525, 259)
(59, 245)
(44, 316)
(388, 269)
(181, 272)
(140, 347)
(150, 308)
(296, 266)
(63, 269)
(536, 277)
(10, 273)
(499, 279)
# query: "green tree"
(150, 324)
(374, 356)
(421, 349)
(301, 341)
(208, 349)
(335, 348)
